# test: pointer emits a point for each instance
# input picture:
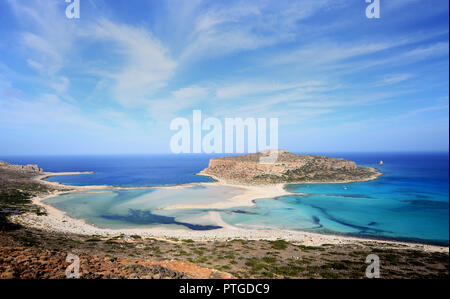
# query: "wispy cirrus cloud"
(147, 64)
(221, 29)
(46, 41)
(440, 48)
(45, 111)
(395, 78)
(241, 89)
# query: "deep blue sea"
(409, 202)
(123, 170)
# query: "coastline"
(373, 177)
(58, 221)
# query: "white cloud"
(163, 109)
(401, 58)
(52, 43)
(323, 53)
(47, 111)
(416, 112)
(241, 25)
(191, 92)
(50, 112)
(261, 87)
(395, 78)
(36, 65)
(3, 82)
(47, 39)
(355, 56)
(440, 48)
(60, 84)
(47, 32)
(147, 63)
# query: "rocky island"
(288, 168)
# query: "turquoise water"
(361, 209)
(132, 208)
(409, 202)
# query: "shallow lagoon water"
(132, 208)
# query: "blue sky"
(111, 81)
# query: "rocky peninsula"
(287, 168)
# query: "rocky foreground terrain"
(288, 168)
(33, 254)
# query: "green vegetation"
(279, 244)
(93, 240)
(269, 259)
(19, 201)
(16, 202)
(266, 259)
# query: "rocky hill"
(21, 170)
(288, 168)
(14, 177)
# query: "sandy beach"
(56, 220)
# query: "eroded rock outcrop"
(288, 168)
(30, 168)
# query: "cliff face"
(14, 177)
(289, 168)
(24, 169)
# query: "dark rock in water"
(372, 223)
(316, 219)
(362, 229)
(240, 212)
(243, 212)
(350, 195)
(146, 217)
(427, 204)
